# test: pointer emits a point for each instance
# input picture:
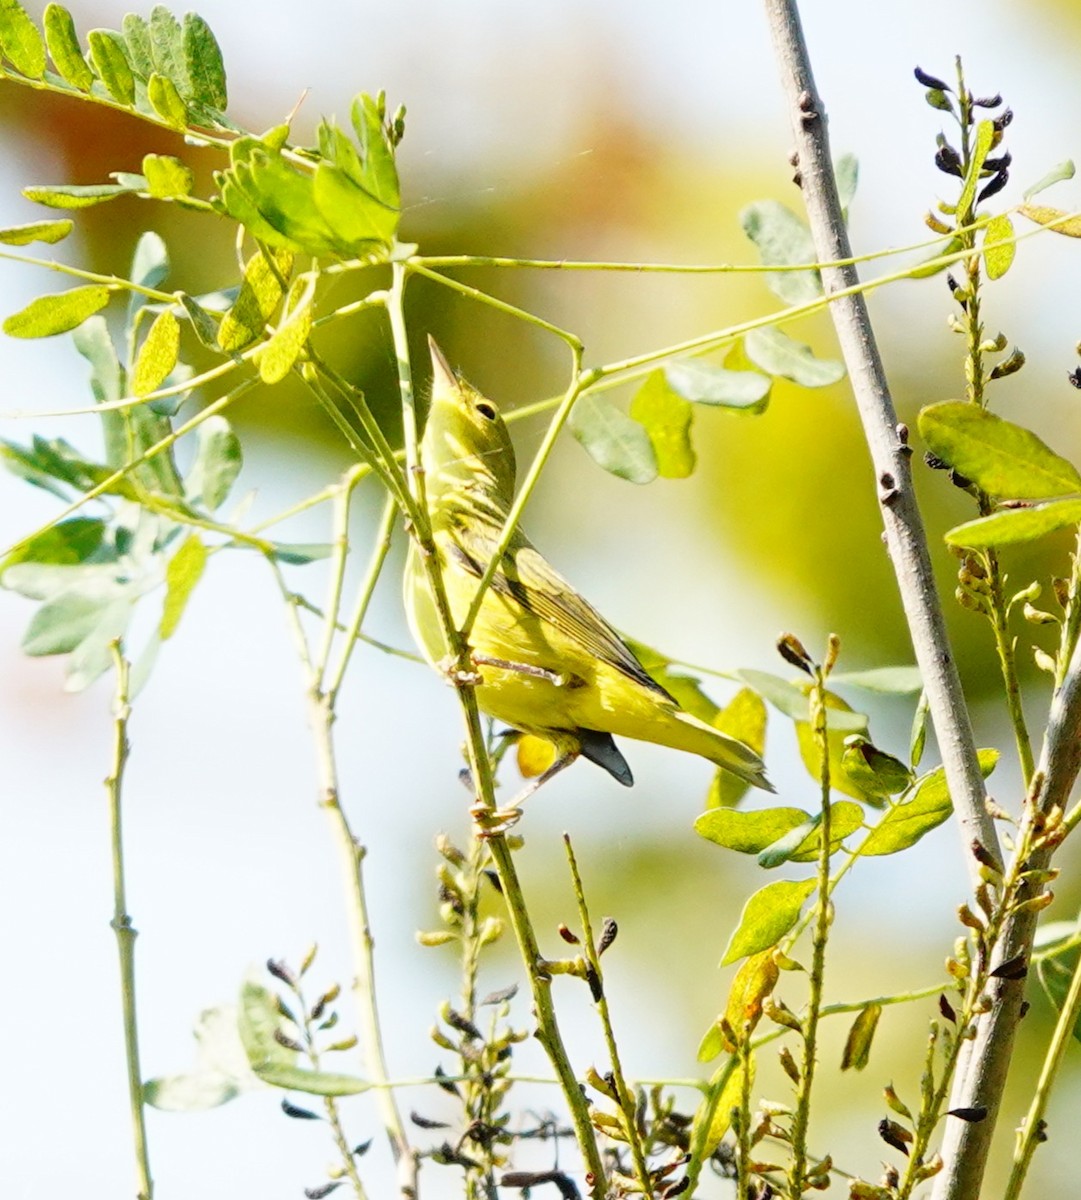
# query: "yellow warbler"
(549, 663)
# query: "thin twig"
(122, 926)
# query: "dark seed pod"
(948, 161)
(973, 1115)
(608, 935)
(280, 971)
(298, 1113)
(324, 1189)
(1075, 377)
(929, 81)
(998, 163)
(996, 185)
(1003, 119)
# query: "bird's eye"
(486, 409)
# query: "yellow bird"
(549, 663)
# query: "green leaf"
(744, 718)
(999, 246)
(182, 573)
(203, 63)
(767, 916)
(778, 354)
(1059, 172)
(109, 59)
(49, 232)
(217, 463)
(845, 818)
(875, 772)
(206, 328)
(167, 49)
(718, 1110)
(749, 832)
(259, 296)
(890, 681)
(782, 239)
(846, 171)
(792, 700)
(272, 1062)
(934, 264)
(166, 101)
(49, 315)
(21, 42)
(927, 806)
(857, 1051)
(1056, 974)
(64, 48)
(985, 134)
(614, 441)
(1055, 219)
(299, 554)
(220, 1072)
(157, 355)
(275, 358)
(666, 417)
(702, 383)
(380, 173)
(1012, 526)
(75, 195)
(167, 177)
(60, 625)
(137, 39)
(1001, 458)
(64, 544)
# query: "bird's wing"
(533, 582)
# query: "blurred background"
(595, 130)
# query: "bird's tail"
(730, 754)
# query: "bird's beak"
(444, 380)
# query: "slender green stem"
(627, 1102)
(122, 924)
(797, 1175)
(337, 571)
(1004, 647)
(1031, 1132)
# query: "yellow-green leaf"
(1055, 219)
(666, 417)
(202, 58)
(1011, 526)
(183, 572)
(275, 359)
(857, 1049)
(767, 916)
(167, 177)
(1001, 458)
(111, 63)
(744, 718)
(58, 313)
(49, 232)
(64, 49)
(157, 355)
(75, 195)
(753, 982)
(999, 246)
(260, 294)
(985, 133)
(22, 43)
(714, 1114)
(166, 101)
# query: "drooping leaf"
(999, 246)
(206, 328)
(613, 440)
(63, 311)
(752, 985)
(182, 573)
(64, 49)
(167, 177)
(109, 59)
(666, 417)
(1058, 173)
(778, 354)
(703, 383)
(857, 1051)
(220, 1073)
(257, 301)
(157, 355)
(275, 358)
(1012, 526)
(22, 44)
(216, 465)
(1001, 458)
(1056, 220)
(782, 239)
(49, 232)
(717, 1109)
(928, 805)
(767, 916)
